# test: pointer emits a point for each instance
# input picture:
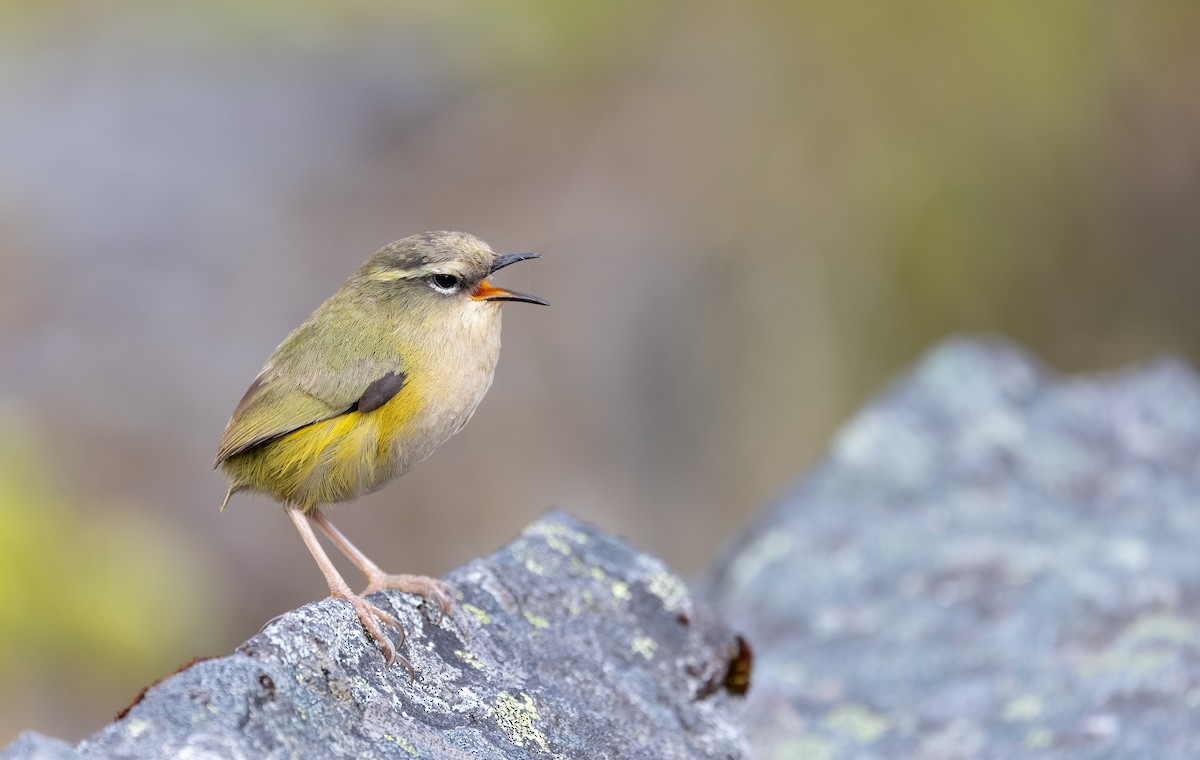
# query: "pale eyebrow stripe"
(387, 275)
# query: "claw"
(370, 616)
(429, 589)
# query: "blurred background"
(752, 216)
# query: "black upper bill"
(512, 258)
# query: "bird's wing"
(299, 388)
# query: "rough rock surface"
(579, 647)
(992, 562)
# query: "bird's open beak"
(487, 292)
(512, 258)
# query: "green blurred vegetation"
(91, 593)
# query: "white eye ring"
(444, 283)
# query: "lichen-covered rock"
(579, 647)
(33, 746)
(992, 562)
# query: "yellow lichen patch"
(668, 588)
(515, 716)
(469, 658)
(856, 721)
(620, 589)
(478, 613)
(537, 621)
(402, 743)
(532, 560)
(645, 646)
(557, 537)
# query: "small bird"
(375, 379)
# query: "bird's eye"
(444, 283)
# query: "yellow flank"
(329, 461)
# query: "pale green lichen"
(669, 589)
(515, 716)
(402, 743)
(1149, 644)
(1137, 663)
(537, 561)
(1027, 707)
(340, 689)
(1038, 738)
(557, 536)
(576, 567)
(136, 727)
(480, 614)
(1192, 698)
(619, 589)
(532, 560)
(469, 658)
(857, 722)
(804, 748)
(645, 646)
(1162, 627)
(790, 672)
(537, 621)
(768, 549)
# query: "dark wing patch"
(380, 391)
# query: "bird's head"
(434, 272)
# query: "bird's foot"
(429, 589)
(371, 616)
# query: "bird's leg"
(429, 589)
(369, 614)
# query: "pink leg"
(369, 614)
(429, 589)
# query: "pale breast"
(453, 380)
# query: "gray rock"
(31, 745)
(579, 647)
(992, 562)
